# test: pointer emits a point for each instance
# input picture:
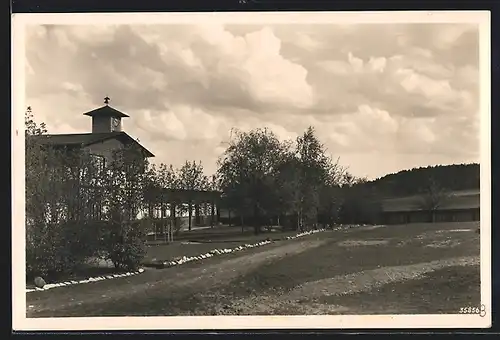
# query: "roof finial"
(106, 100)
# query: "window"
(92, 171)
(99, 162)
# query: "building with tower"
(168, 205)
(105, 137)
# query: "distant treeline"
(454, 177)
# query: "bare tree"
(434, 196)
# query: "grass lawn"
(203, 240)
(267, 290)
(228, 234)
(157, 292)
(207, 239)
(442, 291)
(420, 268)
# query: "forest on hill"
(454, 177)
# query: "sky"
(381, 97)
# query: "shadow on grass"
(443, 291)
(330, 260)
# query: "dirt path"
(153, 292)
(305, 299)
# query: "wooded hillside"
(454, 177)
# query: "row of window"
(182, 210)
(96, 211)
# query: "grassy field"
(420, 268)
(226, 234)
(202, 241)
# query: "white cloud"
(306, 42)
(446, 37)
(356, 63)
(407, 93)
(377, 64)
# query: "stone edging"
(305, 233)
(184, 259)
(91, 279)
(214, 252)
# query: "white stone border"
(91, 279)
(214, 252)
(184, 259)
(305, 233)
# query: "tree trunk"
(173, 215)
(197, 214)
(212, 214)
(256, 221)
(229, 216)
(163, 208)
(190, 215)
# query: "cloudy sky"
(381, 97)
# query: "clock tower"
(106, 119)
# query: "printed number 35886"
(473, 310)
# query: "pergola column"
(212, 213)
(197, 213)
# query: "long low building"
(457, 207)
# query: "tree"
(126, 184)
(246, 171)
(288, 186)
(331, 194)
(314, 172)
(433, 197)
(190, 178)
(360, 205)
(60, 233)
(32, 128)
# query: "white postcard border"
(20, 322)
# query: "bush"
(52, 250)
(358, 210)
(124, 244)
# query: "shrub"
(124, 244)
(52, 250)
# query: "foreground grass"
(442, 291)
(205, 242)
(227, 234)
(257, 291)
(266, 280)
(332, 260)
(158, 292)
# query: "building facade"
(457, 207)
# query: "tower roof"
(106, 111)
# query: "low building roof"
(456, 201)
